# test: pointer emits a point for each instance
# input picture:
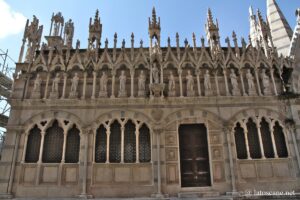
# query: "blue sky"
(127, 16)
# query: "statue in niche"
(141, 84)
(155, 73)
(55, 84)
(74, 86)
(103, 85)
(190, 84)
(250, 81)
(207, 84)
(265, 82)
(36, 92)
(172, 86)
(234, 83)
(122, 89)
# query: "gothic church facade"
(135, 121)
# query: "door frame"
(188, 121)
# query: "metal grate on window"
(115, 142)
(100, 149)
(129, 143)
(72, 145)
(266, 138)
(53, 144)
(33, 145)
(240, 143)
(253, 139)
(144, 144)
(280, 141)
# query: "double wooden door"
(194, 157)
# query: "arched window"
(239, 136)
(115, 142)
(280, 141)
(144, 144)
(100, 149)
(53, 144)
(266, 138)
(253, 139)
(129, 143)
(72, 145)
(33, 145)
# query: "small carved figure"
(103, 82)
(37, 84)
(190, 84)
(141, 81)
(265, 82)
(55, 83)
(171, 83)
(207, 84)
(155, 73)
(233, 80)
(250, 80)
(122, 90)
(74, 81)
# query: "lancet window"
(54, 143)
(123, 141)
(260, 138)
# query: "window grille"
(266, 138)
(129, 143)
(101, 140)
(253, 139)
(33, 145)
(53, 144)
(280, 141)
(115, 143)
(72, 146)
(241, 149)
(145, 144)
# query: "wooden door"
(194, 158)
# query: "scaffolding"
(6, 81)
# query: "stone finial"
(194, 40)
(298, 14)
(123, 44)
(132, 40)
(177, 39)
(106, 43)
(169, 42)
(141, 43)
(244, 44)
(202, 41)
(227, 40)
(186, 43)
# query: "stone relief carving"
(103, 85)
(265, 82)
(122, 89)
(234, 83)
(250, 81)
(155, 73)
(190, 84)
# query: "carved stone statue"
(54, 92)
(142, 84)
(171, 85)
(265, 82)
(36, 92)
(122, 90)
(74, 86)
(234, 83)
(207, 84)
(250, 81)
(190, 84)
(103, 85)
(155, 73)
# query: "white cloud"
(11, 22)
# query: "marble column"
(242, 82)
(47, 86)
(273, 81)
(107, 144)
(94, 84)
(226, 82)
(292, 131)
(217, 83)
(137, 141)
(84, 85)
(273, 140)
(198, 72)
(64, 86)
(246, 141)
(43, 133)
(260, 139)
(113, 73)
(132, 83)
(180, 82)
(122, 143)
(257, 82)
